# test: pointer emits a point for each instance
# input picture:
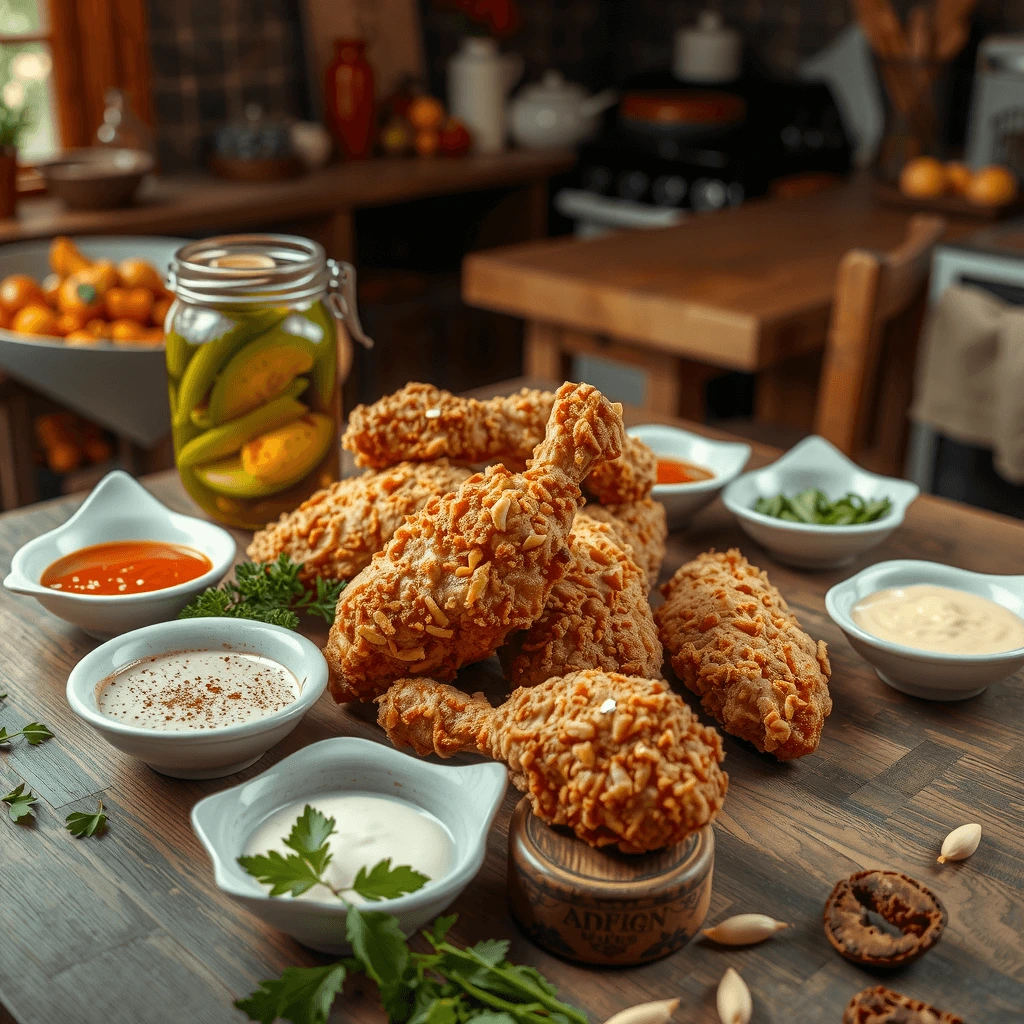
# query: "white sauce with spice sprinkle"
(196, 690)
(368, 828)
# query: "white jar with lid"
(707, 52)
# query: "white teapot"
(555, 113)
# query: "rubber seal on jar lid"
(243, 261)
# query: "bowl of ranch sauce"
(384, 805)
(198, 698)
(932, 630)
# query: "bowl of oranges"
(952, 187)
(82, 322)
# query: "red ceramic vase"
(349, 98)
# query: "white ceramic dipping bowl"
(814, 462)
(725, 459)
(210, 753)
(464, 799)
(119, 508)
(920, 673)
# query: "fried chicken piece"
(736, 644)
(474, 566)
(596, 616)
(335, 532)
(618, 759)
(420, 422)
(639, 524)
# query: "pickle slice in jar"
(211, 356)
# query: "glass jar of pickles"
(252, 367)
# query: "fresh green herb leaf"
(813, 506)
(309, 837)
(3, 696)
(284, 874)
(80, 824)
(381, 950)
(35, 733)
(383, 882)
(303, 995)
(441, 928)
(268, 592)
(490, 951)
(19, 803)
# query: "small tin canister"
(602, 906)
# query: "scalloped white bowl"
(464, 799)
(207, 753)
(814, 462)
(725, 459)
(119, 508)
(933, 676)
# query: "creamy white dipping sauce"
(940, 620)
(192, 690)
(368, 829)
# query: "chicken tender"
(420, 421)
(620, 760)
(596, 616)
(473, 566)
(335, 532)
(639, 524)
(735, 643)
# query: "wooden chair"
(868, 367)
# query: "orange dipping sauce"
(125, 567)
(675, 471)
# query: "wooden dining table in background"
(743, 289)
(130, 927)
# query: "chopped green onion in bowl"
(814, 507)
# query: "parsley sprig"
(34, 734)
(449, 985)
(297, 872)
(268, 591)
(81, 825)
(19, 803)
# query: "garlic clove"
(734, 1003)
(744, 929)
(657, 1012)
(960, 843)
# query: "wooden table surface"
(177, 204)
(741, 288)
(129, 927)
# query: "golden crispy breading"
(596, 616)
(641, 525)
(618, 759)
(420, 421)
(335, 532)
(474, 566)
(736, 644)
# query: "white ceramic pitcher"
(479, 81)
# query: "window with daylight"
(58, 58)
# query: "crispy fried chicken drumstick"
(639, 524)
(336, 531)
(736, 644)
(420, 422)
(596, 616)
(618, 759)
(473, 566)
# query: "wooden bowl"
(602, 906)
(97, 177)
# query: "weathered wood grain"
(129, 927)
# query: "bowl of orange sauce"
(692, 469)
(122, 561)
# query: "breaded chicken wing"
(335, 532)
(420, 421)
(474, 566)
(596, 616)
(641, 525)
(736, 644)
(618, 759)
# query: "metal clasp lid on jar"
(265, 270)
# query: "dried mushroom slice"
(880, 1005)
(883, 918)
